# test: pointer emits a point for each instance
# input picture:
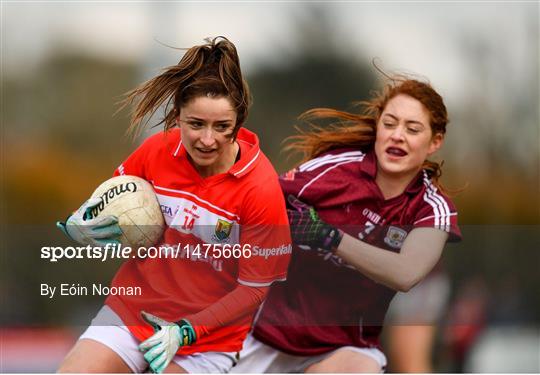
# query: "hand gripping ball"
(133, 201)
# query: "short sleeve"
(137, 163)
(438, 211)
(265, 228)
(316, 180)
(302, 185)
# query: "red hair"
(358, 130)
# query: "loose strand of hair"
(349, 130)
(148, 97)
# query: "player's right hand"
(85, 230)
(308, 229)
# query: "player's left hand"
(162, 346)
(307, 228)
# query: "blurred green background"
(65, 65)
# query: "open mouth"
(205, 151)
(396, 152)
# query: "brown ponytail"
(211, 69)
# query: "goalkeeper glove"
(308, 229)
(168, 337)
(85, 230)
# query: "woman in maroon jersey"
(368, 217)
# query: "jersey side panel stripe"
(444, 207)
(439, 204)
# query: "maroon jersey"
(325, 303)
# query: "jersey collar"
(249, 152)
(369, 167)
(369, 164)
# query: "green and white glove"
(85, 230)
(168, 337)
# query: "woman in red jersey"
(195, 309)
(368, 219)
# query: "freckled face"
(206, 125)
(404, 137)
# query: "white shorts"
(257, 357)
(108, 329)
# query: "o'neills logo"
(110, 194)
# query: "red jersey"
(326, 303)
(242, 206)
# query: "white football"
(133, 201)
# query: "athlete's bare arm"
(400, 271)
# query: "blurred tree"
(59, 141)
(316, 74)
(61, 138)
(69, 102)
(498, 146)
